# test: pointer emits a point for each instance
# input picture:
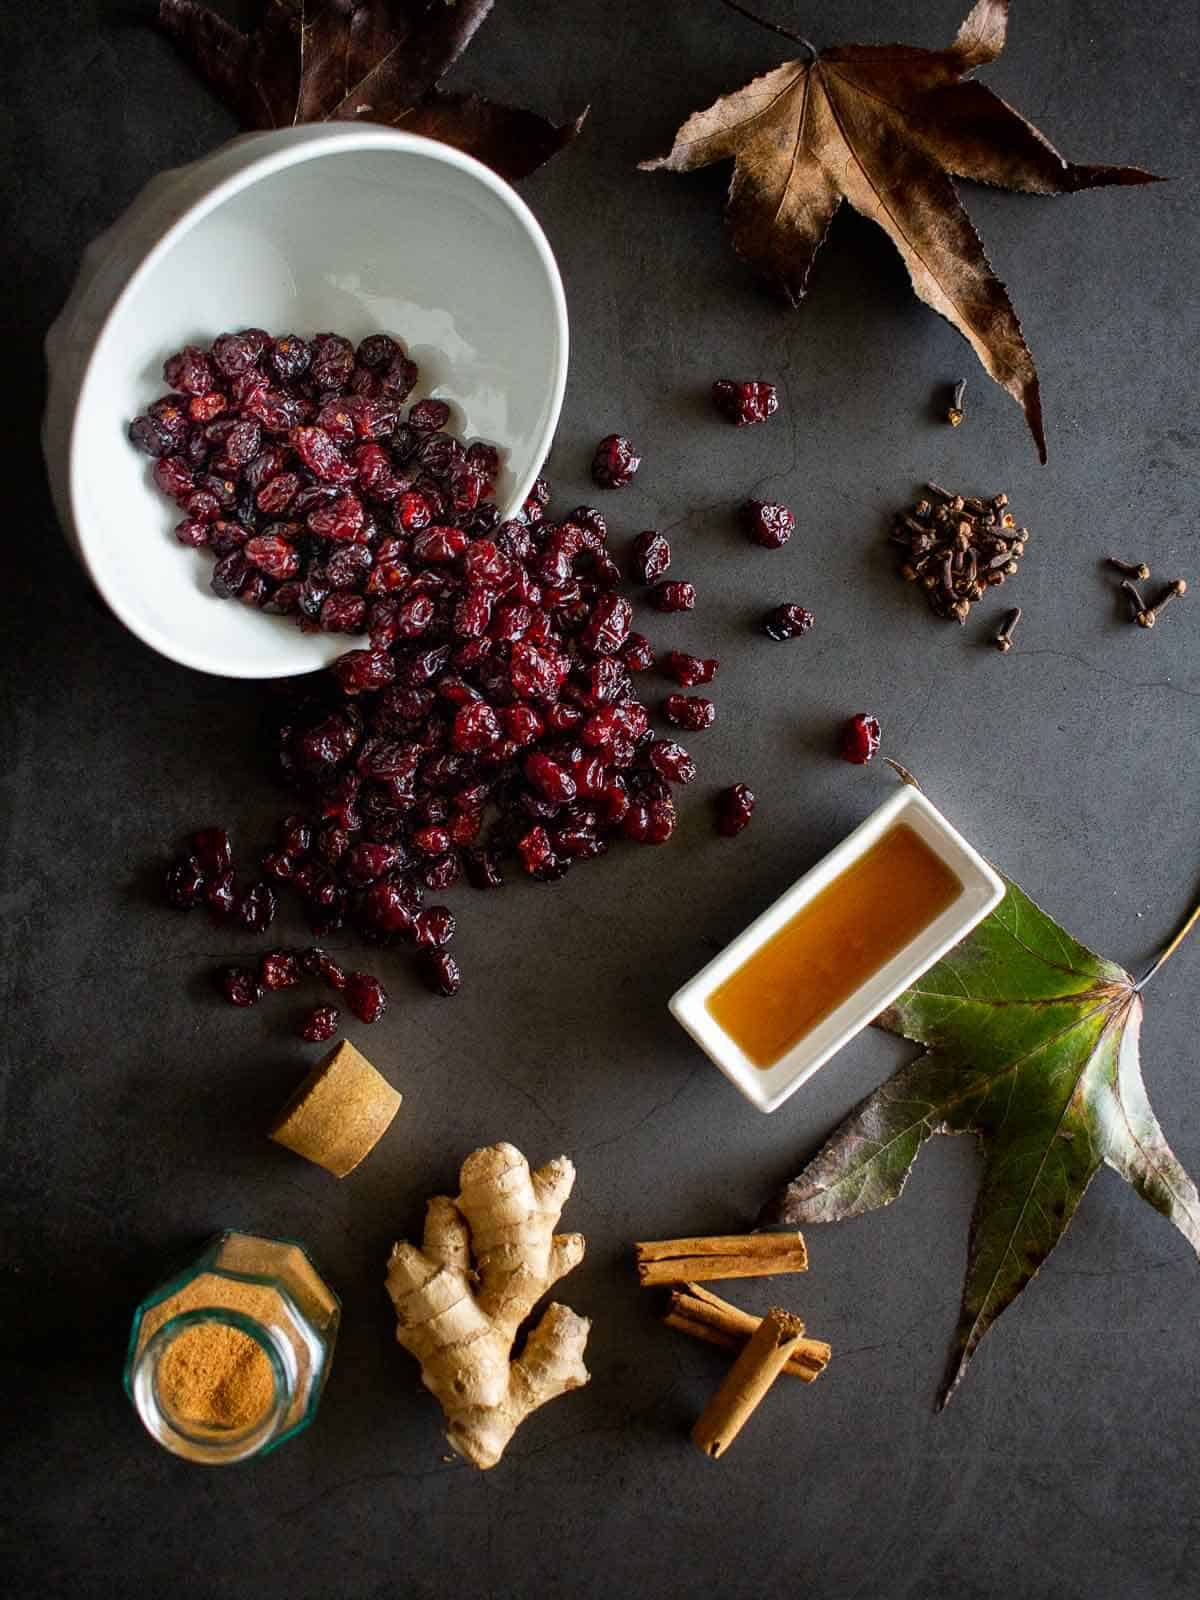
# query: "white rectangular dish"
(981, 891)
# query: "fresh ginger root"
(460, 1320)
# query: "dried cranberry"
(213, 849)
(689, 711)
(440, 972)
(768, 523)
(361, 670)
(240, 986)
(744, 403)
(174, 477)
(193, 534)
(185, 883)
(273, 555)
(365, 996)
(608, 626)
(860, 738)
(190, 371)
(289, 358)
(233, 354)
(427, 416)
(787, 622)
(673, 595)
(278, 969)
(550, 779)
(637, 653)
(614, 462)
(433, 927)
(332, 361)
(320, 1024)
(476, 727)
(256, 908)
(344, 613)
(672, 761)
(650, 558)
(321, 456)
(735, 807)
(221, 895)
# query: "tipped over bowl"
(349, 229)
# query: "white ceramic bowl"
(982, 890)
(348, 228)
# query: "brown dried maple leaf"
(888, 128)
(361, 60)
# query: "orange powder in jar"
(215, 1375)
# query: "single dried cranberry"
(687, 670)
(787, 622)
(637, 653)
(321, 456)
(277, 494)
(207, 407)
(744, 403)
(860, 738)
(278, 969)
(689, 711)
(672, 761)
(551, 780)
(365, 996)
(768, 523)
(240, 986)
(376, 350)
(193, 534)
(427, 416)
(673, 595)
(213, 849)
(255, 909)
(320, 1024)
(185, 883)
(483, 871)
(342, 519)
(289, 358)
(361, 670)
(440, 972)
(735, 807)
(332, 361)
(614, 462)
(190, 371)
(279, 866)
(476, 727)
(221, 895)
(438, 544)
(650, 558)
(433, 927)
(233, 354)
(608, 626)
(535, 850)
(174, 477)
(273, 555)
(344, 613)
(151, 437)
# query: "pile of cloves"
(1145, 616)
(957, 547)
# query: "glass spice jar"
(228, 1359)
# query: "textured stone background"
(135, 1100)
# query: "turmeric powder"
(215, 1375)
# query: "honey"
(833, 945)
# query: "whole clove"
(1128, 569)
(1003, 639)
(957, 547)
(955, 413)
(1147, 617)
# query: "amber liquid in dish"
(842, 937)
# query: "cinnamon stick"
(703, 1315)
(752, 1255)
(774, 1342)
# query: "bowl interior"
(353, 241)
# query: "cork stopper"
(339, 1113)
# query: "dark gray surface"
(135, 1101)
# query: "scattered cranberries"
(744, 403)
(787, 622)
(614, 463)
(320, 1024)
(735, 807)
(860, 738)
(278, 969)
(768, 523)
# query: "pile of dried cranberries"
(490, 717)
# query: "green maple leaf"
(1031, 1044)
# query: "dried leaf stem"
(1165, 955)
(773, 27)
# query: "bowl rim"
(320, 141)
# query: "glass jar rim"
(197, 1441)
